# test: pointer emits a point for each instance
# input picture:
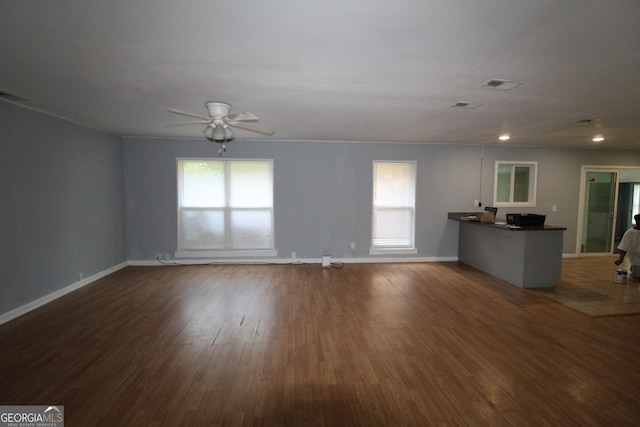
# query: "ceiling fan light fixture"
(219, 122)
(218, 133)
(208, 133)
(228, 134)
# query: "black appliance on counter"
(526, 220)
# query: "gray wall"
(323, 190)
(70, 195)
(62, 210)
(558, 180)
(322, 193)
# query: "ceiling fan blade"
(184, 113)
(264, 131)
(199, 122)
(242, 117)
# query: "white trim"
(583, 176)
(531, 202)
(612, 167)
(398, 260)
(413, 207)
(12, 314)
(226, 254)
(226, 208)
(290, 261)
(581, 202)
(393, 251)
(593, 255)
(229, 261)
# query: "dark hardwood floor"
(292, 345)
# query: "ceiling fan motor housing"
(218, 109)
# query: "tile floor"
(587, 285)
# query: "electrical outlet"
(293, 254)
(352, 245)
(476, 203)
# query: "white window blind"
(394, 187)
(225, 205)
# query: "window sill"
(393, 251)
(226, 254)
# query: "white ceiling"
(356, 70)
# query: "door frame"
(581, 213)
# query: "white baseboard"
(371, 260)
(564, 255)
(201, 261)
(10, 315)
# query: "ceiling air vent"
(500, 84)
(464, 104)
(14, 98)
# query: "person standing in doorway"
(630, 244)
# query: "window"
(515, 184)
(394, 194)
(225, 206)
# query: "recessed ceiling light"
(598, 138)
(504, 137)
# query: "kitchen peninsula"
(527, 257)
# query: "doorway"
(628, 203)
(609, 197)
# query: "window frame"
(409, 249)
(532, 189)
(227, 251)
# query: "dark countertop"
(474, 218)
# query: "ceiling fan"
(219, 122)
